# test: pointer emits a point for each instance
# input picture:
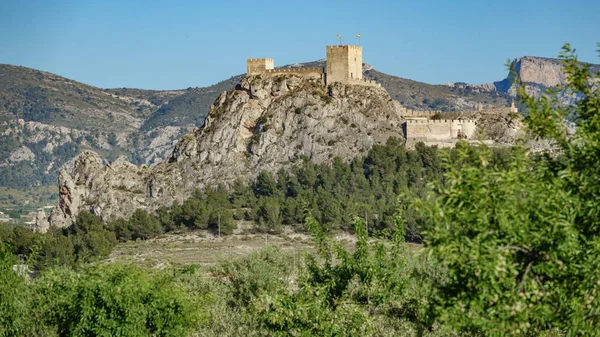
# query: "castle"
(343, 65)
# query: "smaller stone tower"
(259, 66)
(344, 64)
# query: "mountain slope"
(34, 95)
(189, 108)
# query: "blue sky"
(179, 44)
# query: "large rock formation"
(262, 124)
(539, 73)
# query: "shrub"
(115, 300)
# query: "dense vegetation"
(367, 187)
(511, 247)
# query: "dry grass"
(203, 248)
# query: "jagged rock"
(41, 222)
(263, 124)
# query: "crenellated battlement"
(261, 59)
(295, 70)
(419, 113)
(346, 46)
(439, 121)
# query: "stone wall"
(439, 130)
(369, 83)
(304, 72)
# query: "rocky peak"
(538, 72)
(262, 124)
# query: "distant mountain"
(34, 95)
(539, 73)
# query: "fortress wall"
(369, 83)
(438, 130)
(468, 127)
(355, 62)
(304, 72)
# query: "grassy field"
(205, 249)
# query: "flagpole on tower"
(358, 36)
(340, 37)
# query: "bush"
(115, 300)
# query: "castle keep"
(343, 65)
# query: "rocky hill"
(47, 120)
(263, 124)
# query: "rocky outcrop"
(21, 154)
(263, 124)
(539, 73)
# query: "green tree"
(144, 226)
(521, 241)
(269, 214)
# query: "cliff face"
(539, 73)
(262, 124)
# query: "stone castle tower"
(344, 64)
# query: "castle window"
(355, 59)
(351, 75)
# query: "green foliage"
(115, 301)
(250, 277)
(520, 238)
(109, 300)
(12, 308)
(369, 292)
(85, 241)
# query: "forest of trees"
(510, 246)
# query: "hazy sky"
(179, 44)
